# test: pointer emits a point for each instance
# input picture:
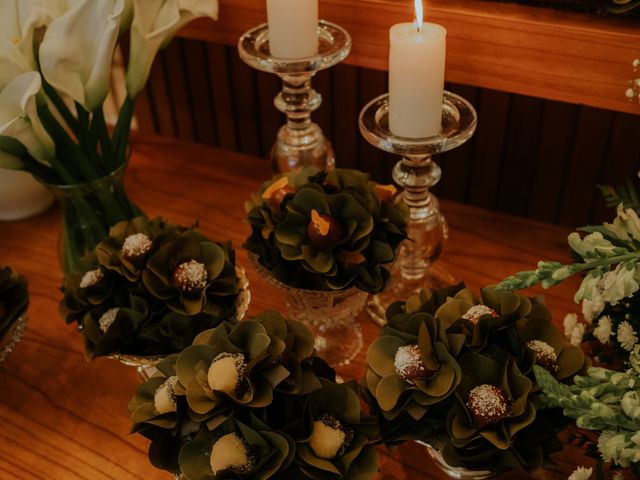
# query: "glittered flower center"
(487, 404)
(409, 364)
(225, 372)
(190, 276)
(545, 354)
(230, 452)
(136, 245)
(91, 278)
(330, 437)
(165, 397)
(107, 319)
(477, 311)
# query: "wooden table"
(64, 418)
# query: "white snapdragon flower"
(77, 50)
(619, 283)
(591, 308)
(634, 358)
(154, 24)
(603, 331)
(611, 447)
(627, 336)
(630, 404)
(573, 330)
(581, 473)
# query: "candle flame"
(419, 14)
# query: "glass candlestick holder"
(416, 173)
(300, 142)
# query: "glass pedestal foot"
(338, 345)
(400, 290)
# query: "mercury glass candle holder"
(300, 142)
(416, 173)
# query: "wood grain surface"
(567, 56)
(64, 418)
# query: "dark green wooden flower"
(131, 243)
(158, 399)
(412, 365)
(193, 274)
(493, 405)
(14, 298)
(236, 450)
(226, 367)
(113, 327)
(487, 322)
(333, 437)
(544, 345)
(86, 288)
(326, 231)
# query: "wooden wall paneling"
(199, 92)
(493, 115)
(245, 103)
(520, 154)
(371, 84)
(590, 146)
(161, 100)
(558, 125)
(270, 118)
(621, 162)
(456, 164)
(220, 81)
(344, 80)
(181, 95)
(558, 55)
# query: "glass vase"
(453, 472)
(89, 210)
(330, 315)
(12, 336)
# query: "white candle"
(293, 28)
(416, 77)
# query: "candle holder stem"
(416, 173)
(427, 228)
(300, 142)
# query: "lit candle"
(293, 28)
(416, 77)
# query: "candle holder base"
(416, 173)
(300, 142)
(435, 277)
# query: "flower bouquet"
(14, 300)
(150, 288)
(456, 372)
(608, 257)
(327, 239)
(55, 70)
(252, 400)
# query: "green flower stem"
(61, 107)
(65, 145)
(99, 126)
(84, 136)
(121, 132)
(531, 278)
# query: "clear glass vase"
(454, 472)
(331, 316)
(13, 335)
(88, 211)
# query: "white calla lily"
(155, 22)
(77, 50)
(18, 20)
(19, 116)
